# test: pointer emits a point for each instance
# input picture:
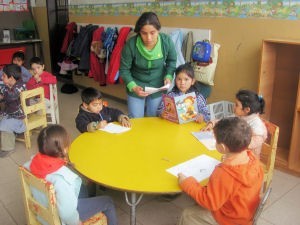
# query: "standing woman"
(148, 59)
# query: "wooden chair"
(261, 205)
(268, 153)
(33, 105)
(53, 111)
(48, 213)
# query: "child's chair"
(261, 205)
(268, 153)
(53, 111)
(35, 112)
(49, 212)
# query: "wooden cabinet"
(279, 85)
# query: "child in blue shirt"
(184, 84)
(50, 163)
(18, 58)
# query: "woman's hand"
(140, 91)
(167, 81)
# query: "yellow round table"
(136, 161)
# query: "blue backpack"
(201, 51)
(109, 38)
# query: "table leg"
(133, 203)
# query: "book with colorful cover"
(181, 109)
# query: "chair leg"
(27, 139)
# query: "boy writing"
(93, 115)
(12, 116)
(232, 193)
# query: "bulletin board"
(13, 5)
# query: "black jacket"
(85, 117)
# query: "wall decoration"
(13, 5)
(266, 9)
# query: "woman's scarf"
(153, 54)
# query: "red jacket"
(232, 192)
(114, 63)
(46, 79)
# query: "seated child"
(93, 115)
(18, 58)
(249, 106)
(40, 78)
(184, 84)
(231, 195)
(50, 163)
(11, 118)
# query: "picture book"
(180, 109)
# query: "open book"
(200, 167)
(114, 128)
(152, 90)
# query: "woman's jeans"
(141, 107)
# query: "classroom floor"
(282, 208)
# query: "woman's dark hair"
(52, 141)
(233, 132)
(147, 18)
(90, 94)
(12, 70)
(250, 99)
(36, 60)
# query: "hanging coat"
(68, 37)
(115, 58)
(96, 67)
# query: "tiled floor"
(282, 208)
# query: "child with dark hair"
(50, 163)
(40, 78)
(12, 116)
(184, 84)
(231, 195)
(93, 115)
(249, 106)
(18, 58)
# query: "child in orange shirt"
(40, 78)
(232, 193)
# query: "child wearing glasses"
(232, 193)
(93, 114)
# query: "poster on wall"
(13, 5)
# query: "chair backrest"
(32, 207)
(261, 205)
(54, 109)
(268, 152)
(48, 213)
(33, 105)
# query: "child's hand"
(101, 124)
(125, 121)
(37, 78)
(181, 178)
(209, 126)
(199, 118)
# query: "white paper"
(207, 138)
(200, 167)
(151, 90)
(114, 128)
